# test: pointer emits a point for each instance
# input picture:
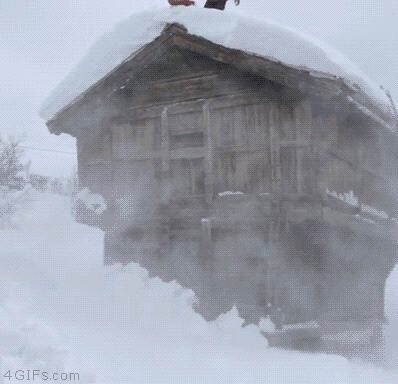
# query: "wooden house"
(256, 184)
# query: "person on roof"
(218, 4)
(181, 2)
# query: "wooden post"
(274, 227)
(275, 150)
(165, 154)
(209, 154)
(303, 121)
(164, 225)
(322, 182)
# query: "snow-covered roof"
(261, 37)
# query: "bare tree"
(10, 163)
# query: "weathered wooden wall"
(161, 148)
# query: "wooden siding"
(182, 130)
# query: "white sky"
(41, 40)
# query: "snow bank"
(230, 193)
(347, 197)
(262, 37)
(351, 199)
(92, 201)
(374, 211)
(12, 203)
(60, 309)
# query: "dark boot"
(217, 4)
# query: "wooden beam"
(275, 148)
(165, 153)
(209, 154)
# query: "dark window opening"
(187, 140)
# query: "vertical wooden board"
(299, 169)
(152, 134)
(287, 126)
(274, 122)
(124, 129)
(209, 142)
(220, 121)
(165, 143)
(230, 164)
(119, 140)
(262, 112)
(241, 179)
(217, 175)
(261, 124)
(305, 170)
(324, 136)
(118, 170)
(239, 119)
(283, 126)
(263, 134)
(254, 174)
(332, 182)
(251, 134)
(303, 117)
(226, 169)
(288, 159)
(148, 134)
(165, 154)
(157, 135)
(215, 126)
(216, 120)
(226, 126)
(329, 131)
(198, 176)
(107, 149)
(140, 129)
(115, 141)
(222, 173)
(308, 171)
(130, 140)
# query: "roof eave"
(305, 80)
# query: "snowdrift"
(61, 310)
(262, 37)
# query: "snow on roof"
(261, 37)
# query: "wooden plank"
(209, 140)
(275, 148)
(143, 111)
(303, 117)
(165, 153)
(139, 155)
(187, 153)
(262, 127)
(190, 89)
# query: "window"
(187, 140)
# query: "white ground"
(60, 310)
